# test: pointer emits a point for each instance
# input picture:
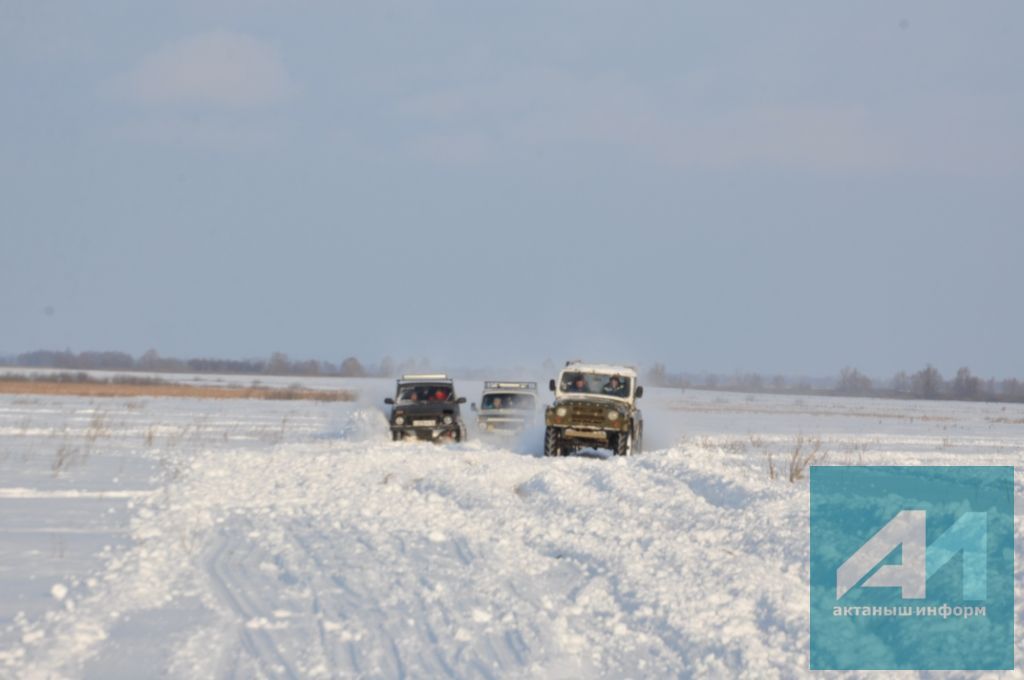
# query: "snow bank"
(264, 547)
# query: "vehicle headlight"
(613, 415)
(447, 420)
(561, 411)
(399, 420)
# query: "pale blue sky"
(781, 187)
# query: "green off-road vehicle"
(425, 407)
(595, 408)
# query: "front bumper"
(500, 425)
(587, 433)
(425, 431)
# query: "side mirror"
(389, 400)
(460, 400)
(639, 391)
(551, 385)
(473, 406)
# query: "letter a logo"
(906, 529)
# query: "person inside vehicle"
(496, 403)
(579, 384)
(614, 387)
(440, 394)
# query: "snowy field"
(186, 538)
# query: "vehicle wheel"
(396, 436)
(622, 444)
(638, 443)
(551, 447)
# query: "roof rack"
(622, 369)
(425, 376)
(509, 385)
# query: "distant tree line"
(277, 364)
(927, 383)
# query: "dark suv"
(425, 407)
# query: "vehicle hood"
(517, 412)
(428, 409)
(591, 396)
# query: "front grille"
(586, 414)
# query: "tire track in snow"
(455, 566)
(224, 574)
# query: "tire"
(396, 435)
(638, 443)
(551, 443)
(623, 443)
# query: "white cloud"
(219, 68)
(677, 123)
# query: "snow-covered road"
(263, 540)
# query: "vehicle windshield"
(523, 402)
(420, 393)
(595, 383)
